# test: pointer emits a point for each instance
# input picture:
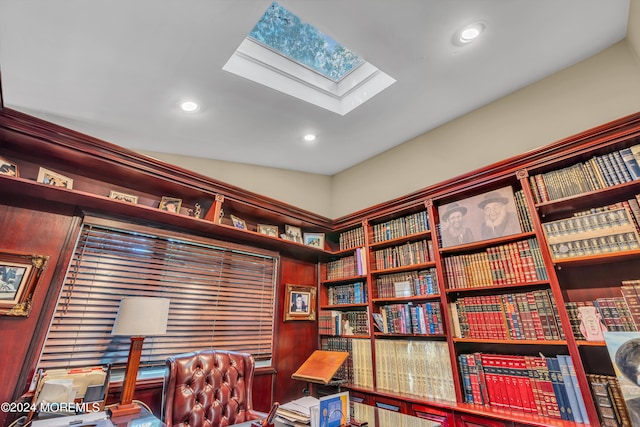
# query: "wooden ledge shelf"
(426, 235)
(493, 288)
(415, 298)
(509, 342)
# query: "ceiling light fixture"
(310, 137)
(189, 106)
(470, 33)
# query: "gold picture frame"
(54, 179)
(124, 197)
(8, 168)
(269, 230)
(170, 204)
(19, 275)
(238, 222)
(300, 302)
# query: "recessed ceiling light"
(469, 33)
(189, 106)
(310, 137)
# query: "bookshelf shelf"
(472, 247)
(411, 267)
(416, 298)
(343, 280)
(604, 258)
(384, 335)
(485, 289)
(400, 240)
(510, 342)
(582, 343)
(344, 306)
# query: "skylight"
(287, 54)
(287, 34)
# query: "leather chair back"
(209, 388)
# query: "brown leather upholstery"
(209, 388)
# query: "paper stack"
(297, 412)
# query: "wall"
(595, 91)
(600, 89)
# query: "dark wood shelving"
(604, 258)
(415, 298)
(385, 335)
(484, 289)
(473, 247)
(400, 240)
(509, 342)
(343, 280)
(343, 306)
(411, 267)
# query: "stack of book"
(400, 227)
(609, 400)
(408, 284)
(351, 238)
(352, 293)
(530, 384)
(404, 255)
(418, 319)
(357, 369)
(511, 263)
(598, 172)
(334, 322)
(600, 230)
(529, 315)
(420, 368)
(349, 266)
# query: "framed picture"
(123, 196)
(300, 303)
(238, 222)
(485, 216)
(624, 352)
(8, 168)
(292, 233)
(269, 230)
(48, 177)
(19, 274)
(170, 204)
(314, 239)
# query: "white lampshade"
(142, 316)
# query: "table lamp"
(137, 317)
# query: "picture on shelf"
(116, 195)
(300, 302)
(238, 222)
(269, 230)
(170, 204)
(624, 351)
(314, 239)
(54, 179)
(334, 410)
(485, 216)
(8, 168)
(293, 233)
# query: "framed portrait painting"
(19, 274)
(489, 215)
(300, 303)
(170, 204)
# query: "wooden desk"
(375, 417)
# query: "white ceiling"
(116, 69)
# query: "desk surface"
(99, 419)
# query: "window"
(222, 296)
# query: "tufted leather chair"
(209, 388)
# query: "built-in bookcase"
(507, 311)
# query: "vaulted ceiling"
(118, 69)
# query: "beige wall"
(595, 91)
(305, 190)
(600, 89)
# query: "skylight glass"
(287, 34)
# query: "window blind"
(221, 297)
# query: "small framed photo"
(116, 195)
(269, 230)
(170, 204)
(48, 177)
(19, 274)
(238, 222)
(292, 233)
(300, 303)
(8, 168)
(314, 239)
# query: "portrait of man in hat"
(456, 232)
(498, 220)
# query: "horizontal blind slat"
(220, 297)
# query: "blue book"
(558, 389)
(631, 163)
(568, 385)
(576, 386)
